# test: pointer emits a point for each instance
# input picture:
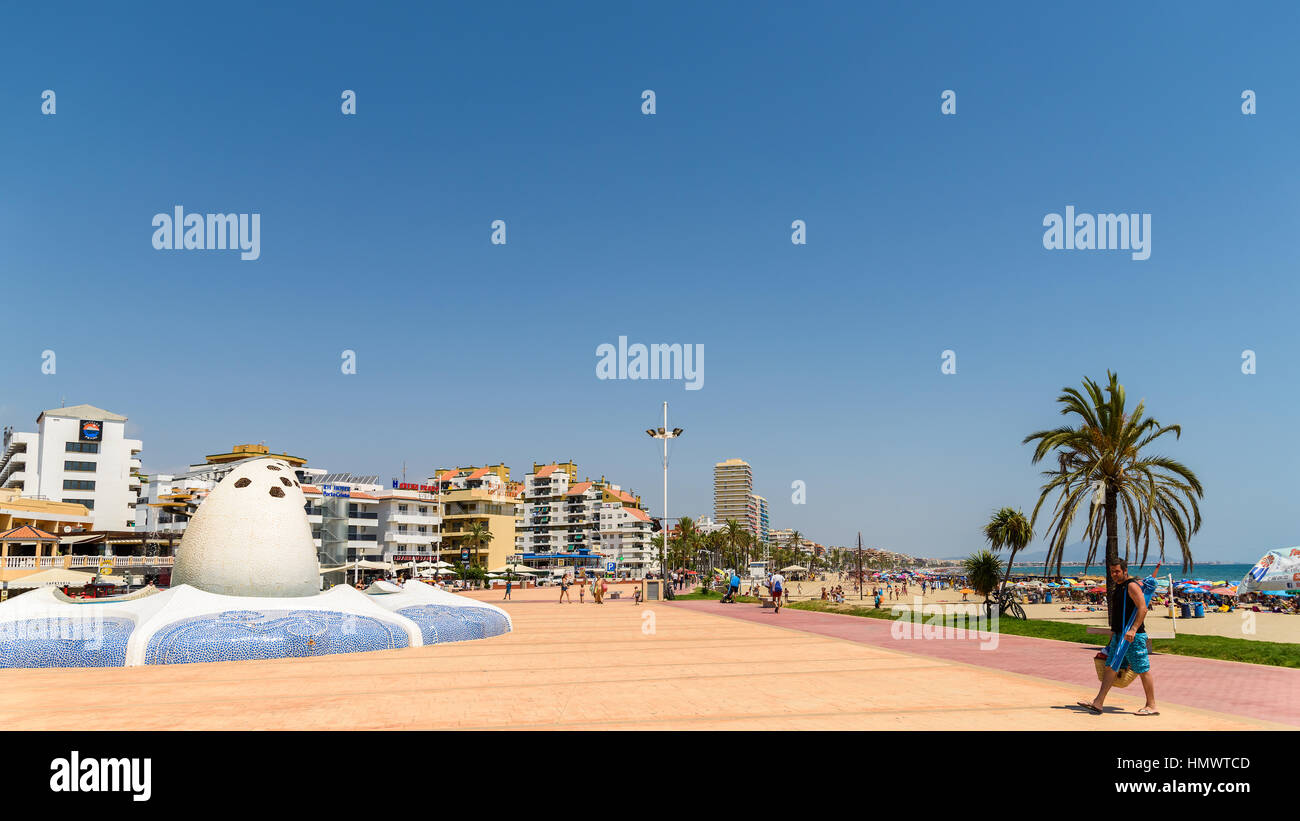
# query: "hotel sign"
(337, 491)
(421, 488)
(90, 430)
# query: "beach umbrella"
(966, 590)
(1098, 589)
(1224, 591)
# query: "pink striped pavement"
(1254, 690)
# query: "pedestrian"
(777, 585)
(564, 589)
(508, 589)
(582, 591)
(1128, 610)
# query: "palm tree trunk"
(1112, 535)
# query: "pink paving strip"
(1254, 690)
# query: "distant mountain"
(1075, 553)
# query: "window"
(77, 484)
(401, 508)
(88, 467)
(423, 510)
(89, 503)
(83, 447)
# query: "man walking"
(777, 586)
(1128, 611)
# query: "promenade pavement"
(616, 666)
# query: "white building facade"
(77, 454)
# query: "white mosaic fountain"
(245, 586)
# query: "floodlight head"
(650, 432)
(677, 431)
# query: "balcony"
(411, 538)
(414, 518)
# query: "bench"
(767, 602)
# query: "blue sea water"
(1231, 573)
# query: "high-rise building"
(764, 527)
(80, 455)
(733, 494)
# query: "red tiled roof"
(547, 471)
(28, 533)
(624, 495)
(638, 513)
(581, 487)
(478, 474)
(447, 476)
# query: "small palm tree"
(478, 535)
(1009, 528)
(983, 572)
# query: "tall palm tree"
(478, 535)
(1103, 454)
(1009, 528)
(734, 532)
(687, 536)
(794, 542)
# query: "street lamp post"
(665, 434)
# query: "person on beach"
(1126, 599)
(565, 581)
(507, 597)
(777, 585)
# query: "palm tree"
(983, 572)
(1103, 455)
(734, 533)
(478, 535)
(687, 536)
(794, 542)
(1008, 528)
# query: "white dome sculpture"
(244, 588)
(250, 537)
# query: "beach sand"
(1238, 624)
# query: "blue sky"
(822, 361)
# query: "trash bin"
(1185, 610)
(1048, 600)
(1200, 610)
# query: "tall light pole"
(665, 434)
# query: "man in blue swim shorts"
(1125, 601)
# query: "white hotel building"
(566, 525)
(78, 454)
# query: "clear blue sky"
(822, 361)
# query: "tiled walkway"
(1254, 690)
(616, 666)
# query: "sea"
(1231, 573)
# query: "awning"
(56, 577)
(77, 539)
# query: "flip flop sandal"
(1145, 712)
(1089, 706)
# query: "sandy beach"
(1237, 624)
